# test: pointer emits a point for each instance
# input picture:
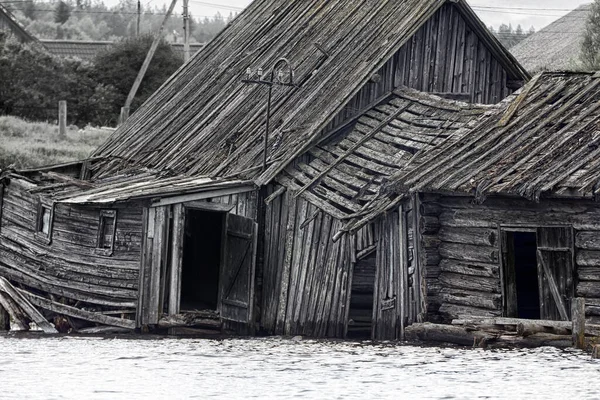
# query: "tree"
(62, 12)
(29, 10)
(118, 67)
(590, 47)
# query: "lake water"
(275, 368)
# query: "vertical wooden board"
(176, 259)
(347, 289)
(442, 50)
(457, 84)
(337, 300)
(288, 247)
(329, 275)
(403, 279)
(305, 264)
(318, 278)
(1, 203)
(428, 28)
(296, 263)
(310, 272)
(267, 261)
(454, 31)
(156, 264)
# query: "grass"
(25, 144)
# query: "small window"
(45, 216)
(106, 232)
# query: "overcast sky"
(537, 13)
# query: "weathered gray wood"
(464, 252)
(588, 240)
(556, 295)
(472, 236)
(479, 283)
(470, 268)
(26, 306)
(588, 258)
(189, 320)
(77, 313)
(62, 119)
(288, 246)
(20, 322)
(578, 323)
(4, 319)
(176, 259)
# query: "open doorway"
(360, 314)
(201, 260)
(521, 275)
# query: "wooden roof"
(347, 173)
(205, 120)
(88, 49)
(556, 47)
(547, 141)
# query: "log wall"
(469, 278)
(68, 268)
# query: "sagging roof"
(205, 120)
(546, 142)
(88, 49)
(133, 186)
(8, 22)
(557, 47)
(347, 174)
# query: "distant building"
(557, 46)
(10, 25)
(88, 49)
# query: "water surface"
(275, 368)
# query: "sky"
(527, 13)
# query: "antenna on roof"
(277, 77)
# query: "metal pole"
(267, 125)
(186, 31)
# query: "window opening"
(106, 232)
(44, 220)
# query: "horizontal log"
(588, 258)
(465, 252)
(589, 273)
(474, 236)
(429, 332)
(431, 209)
(470, 268)
(453, 311)
(468, 282)
(588, 289)
(189, 320)
(471, 298)
(588, 240)
(430, 256)
(429, 225)
(511, 324)
(430, 241)
(63, 309)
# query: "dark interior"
(201, 260)
(528, 292)
(361, 298)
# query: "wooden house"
(176, 213)
(514, 203)
(10, 26)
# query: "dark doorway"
(201, 260)
(523, 272)
(361, 298)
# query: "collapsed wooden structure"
(173, 222)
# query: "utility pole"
(139, 13)
(186, 31)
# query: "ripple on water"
(109, 368)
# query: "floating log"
(191, 320)
(529, 325)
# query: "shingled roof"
(557, 46)
(205, 120)
(546, 142)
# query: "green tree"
(118, 67)
(62, 12)
(590, 46)
(29, 10)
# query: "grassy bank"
(25, 144)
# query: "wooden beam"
(149, 56)
(176, 259)
(63, 309)
(578, 323)
(202, 195)
(26, 306)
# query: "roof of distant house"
(557, 46)
(88, 49)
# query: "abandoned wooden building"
(511, 210)
(189, 215)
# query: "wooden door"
(237, 270)
(555, 272)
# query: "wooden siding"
(69, 267)
(444, 56)
(467, 280)
(306, 276)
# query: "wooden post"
(4, 319)
(124, 115)
(186, 31)
(578, 321)
(149, 56)
(596, 351)
(62, 119)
